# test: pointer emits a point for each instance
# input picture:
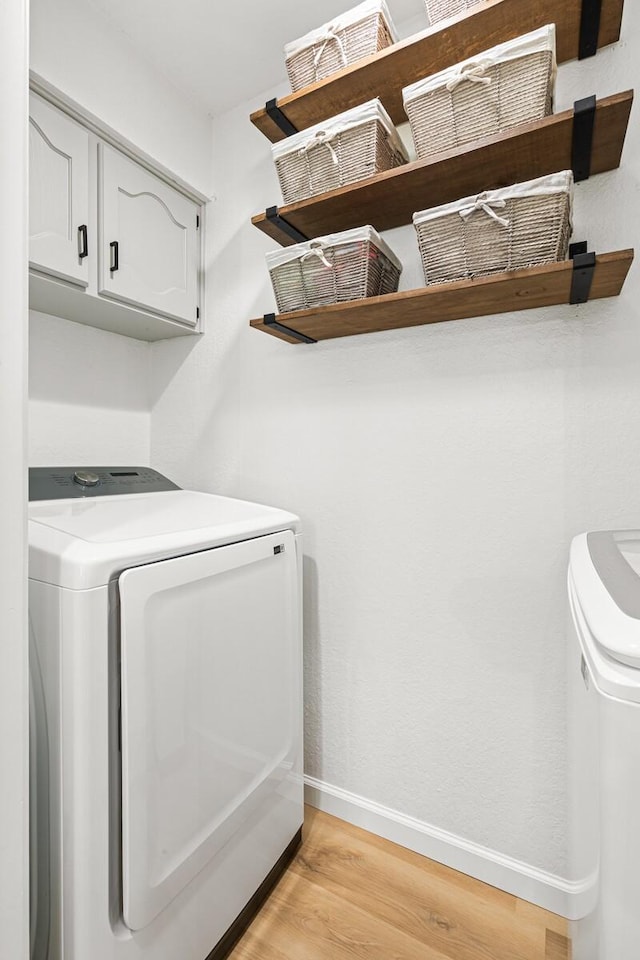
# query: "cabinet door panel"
(58, 193)
(157, 240)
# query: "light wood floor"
(350, 895)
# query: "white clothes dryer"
(166, 696)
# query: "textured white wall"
(14, 697)
(440, 473)
(89, 395)
(89, 390)
(82, 53)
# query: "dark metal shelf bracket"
(272, 215)
(279, 118)
(584, 115)
(583, 266)
(269, 320)
(589, 28)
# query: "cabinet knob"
(83, 242)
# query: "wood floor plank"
(254, 947)
(530, 913)
(558, 947)
(316, 820)
(350, 895)
(467, 922)
(316, 924)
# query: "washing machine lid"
(605, 573)
(81, 544)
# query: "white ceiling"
(223, 52)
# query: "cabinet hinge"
(197, 221)
(197, 313)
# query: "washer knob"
(86, 479)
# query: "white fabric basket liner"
(542, 187)
(372, 110)
(534, 42)
(328, 30)
(277, 258)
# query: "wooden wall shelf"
(544, 286)
(390, 199)
(386, 73)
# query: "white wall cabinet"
(58, 194)
(112, 244)
(149, 243)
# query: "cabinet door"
(149, 241)
(58, 194)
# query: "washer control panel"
(66, 483)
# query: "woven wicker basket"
(438, 10)
(497, 231)
(343, 266)
(350, 147)
(358, 33)
(510, 84)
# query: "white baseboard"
(566, 898)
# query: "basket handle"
(487, 206)
(328, 37)
(473, 74)
(320, 140)
(316, 249)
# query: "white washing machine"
(604, 725)
(166, 706)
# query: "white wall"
(14, 735)
(84, 55)
(89, 390)
(440, 474)
(89, 395)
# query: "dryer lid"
(605, 569)
(85, 543)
